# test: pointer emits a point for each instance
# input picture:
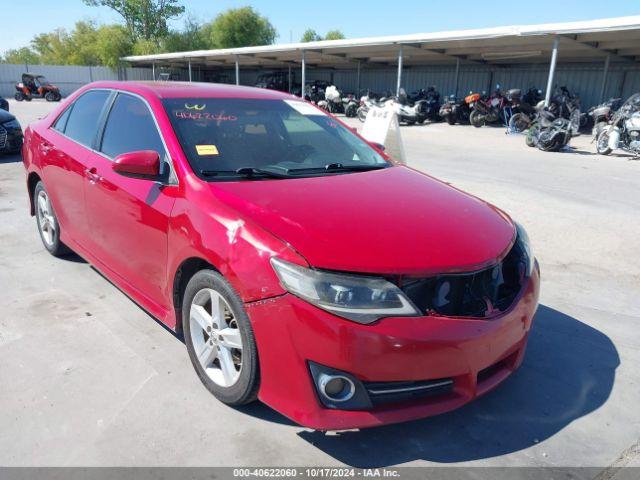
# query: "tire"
(50, 97)
(362, 114)
(28, 98)
(531, 136)
(451, 119)
(19, 96)
(599, 127)
(519, 122)
(476, 119)
(602, 143)
(219, 370)
(351, 110)
(48, 225)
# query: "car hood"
(394, 221)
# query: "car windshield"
(42, 80)
(230, 137)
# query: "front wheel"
(519, 122)
(451, 120)
(476, 119)
(48, 225)
(602, 143)
(219, 339)
(19, 96)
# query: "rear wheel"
(48, 225)
(476, 119)
(219, 339)
(602, 143)
(50, 97)
(519, 122)
(451, 119)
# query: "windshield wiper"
(246, 172)
(339, 167)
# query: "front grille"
(479, 294)
(393, 392)
(3, 137)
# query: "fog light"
(336, 388)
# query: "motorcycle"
(350, 105)
(411, 112)
(371, 100)
(623, 131)
(524, 109)
(600, 115)
(455, 111)
(551, 133)
(332, 102)
(488, 110)
(432, 105)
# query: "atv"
(36, 86)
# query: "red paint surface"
(395, 221)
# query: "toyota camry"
(301, 265)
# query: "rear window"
(225, 134)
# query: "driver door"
(129, 217)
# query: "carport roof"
(581, 41)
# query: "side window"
(61, 122)
(82, 123)
(130, 127)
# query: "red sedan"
(301, 265)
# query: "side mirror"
(144, 164)
(377, 145)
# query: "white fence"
(67, 77)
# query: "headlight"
(11, 124)
(522, 241)
(359, 298)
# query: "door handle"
(92, 175)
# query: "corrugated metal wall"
(583, 79)
(67, 77)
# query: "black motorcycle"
(455, 111)
(523, 108)
(550, 133)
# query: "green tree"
(112, 43)
(310, 35)
(334, 35)
(21, 55)
(239, 27)
(144, 19)
(191, 37)
(146, 47)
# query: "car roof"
(192, 90)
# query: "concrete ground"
(88, 378)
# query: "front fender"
(614, 137)
(205, 228)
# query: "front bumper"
(476, 354)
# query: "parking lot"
(88, 378)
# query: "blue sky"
(354, 18)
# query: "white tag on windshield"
(304, 108)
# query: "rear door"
(129, 217)
(67, 152)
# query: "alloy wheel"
(46, 220)
(216, 337)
